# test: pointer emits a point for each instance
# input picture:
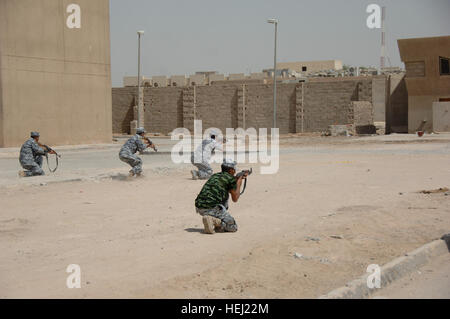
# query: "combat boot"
(217, 225)
(194, 175)
(211, 224)
(22, 174)
(131, 173)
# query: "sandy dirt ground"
(330, 211)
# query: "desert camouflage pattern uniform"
(128, 150)
(31, 158)
(213, 199)
(202, 155)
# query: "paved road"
(95, 160)
(432, 281)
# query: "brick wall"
(327, 103)
(122, 108)
(320, 103)
(163, 109)
(216, 106)
(259, 106)
(361, 116)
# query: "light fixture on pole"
(140, 104)
(275, 22)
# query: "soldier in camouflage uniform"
(201, 157)
(212, 201)
(31, 157)
(128, 150)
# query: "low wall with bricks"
(301, 107)
(123, 101)
(163, 109)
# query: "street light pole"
(275, 22)
(139, 106)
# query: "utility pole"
(140, 104)
(275, 22)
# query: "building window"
(304, 68)
(444, 68)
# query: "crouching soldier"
(31, 157)
(212, 201)
(128, 150)
(202, 156)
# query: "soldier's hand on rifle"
(52, 152)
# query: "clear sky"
(232, 36)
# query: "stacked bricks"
(123, 102)
(327, 103)
(242, 94)
(259, 106)
(299, 116)
(163, 109)
(217, 106)
(189, 107)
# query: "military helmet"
(140, 130)
(34, 134)
(229, 163)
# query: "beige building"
(427, 78)
(55, 71)
(311, 66)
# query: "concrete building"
(55, 71)
(215, 77)
(178, 80)
(311, 66)
(133, 81)
(236, 76)
(160, 81)
(427, 78)
(198, 79)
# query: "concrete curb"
(358, 289)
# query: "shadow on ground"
(195, 230)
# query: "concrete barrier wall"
(441, 116)
(55, 79)
(397, 106)
(379, 93)
(233, 105)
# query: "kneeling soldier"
(31, 157)
(212, 201)
(128, 150)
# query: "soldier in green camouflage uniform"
(212, 201)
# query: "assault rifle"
(150, 143)
(242, 173)
(48, 149)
